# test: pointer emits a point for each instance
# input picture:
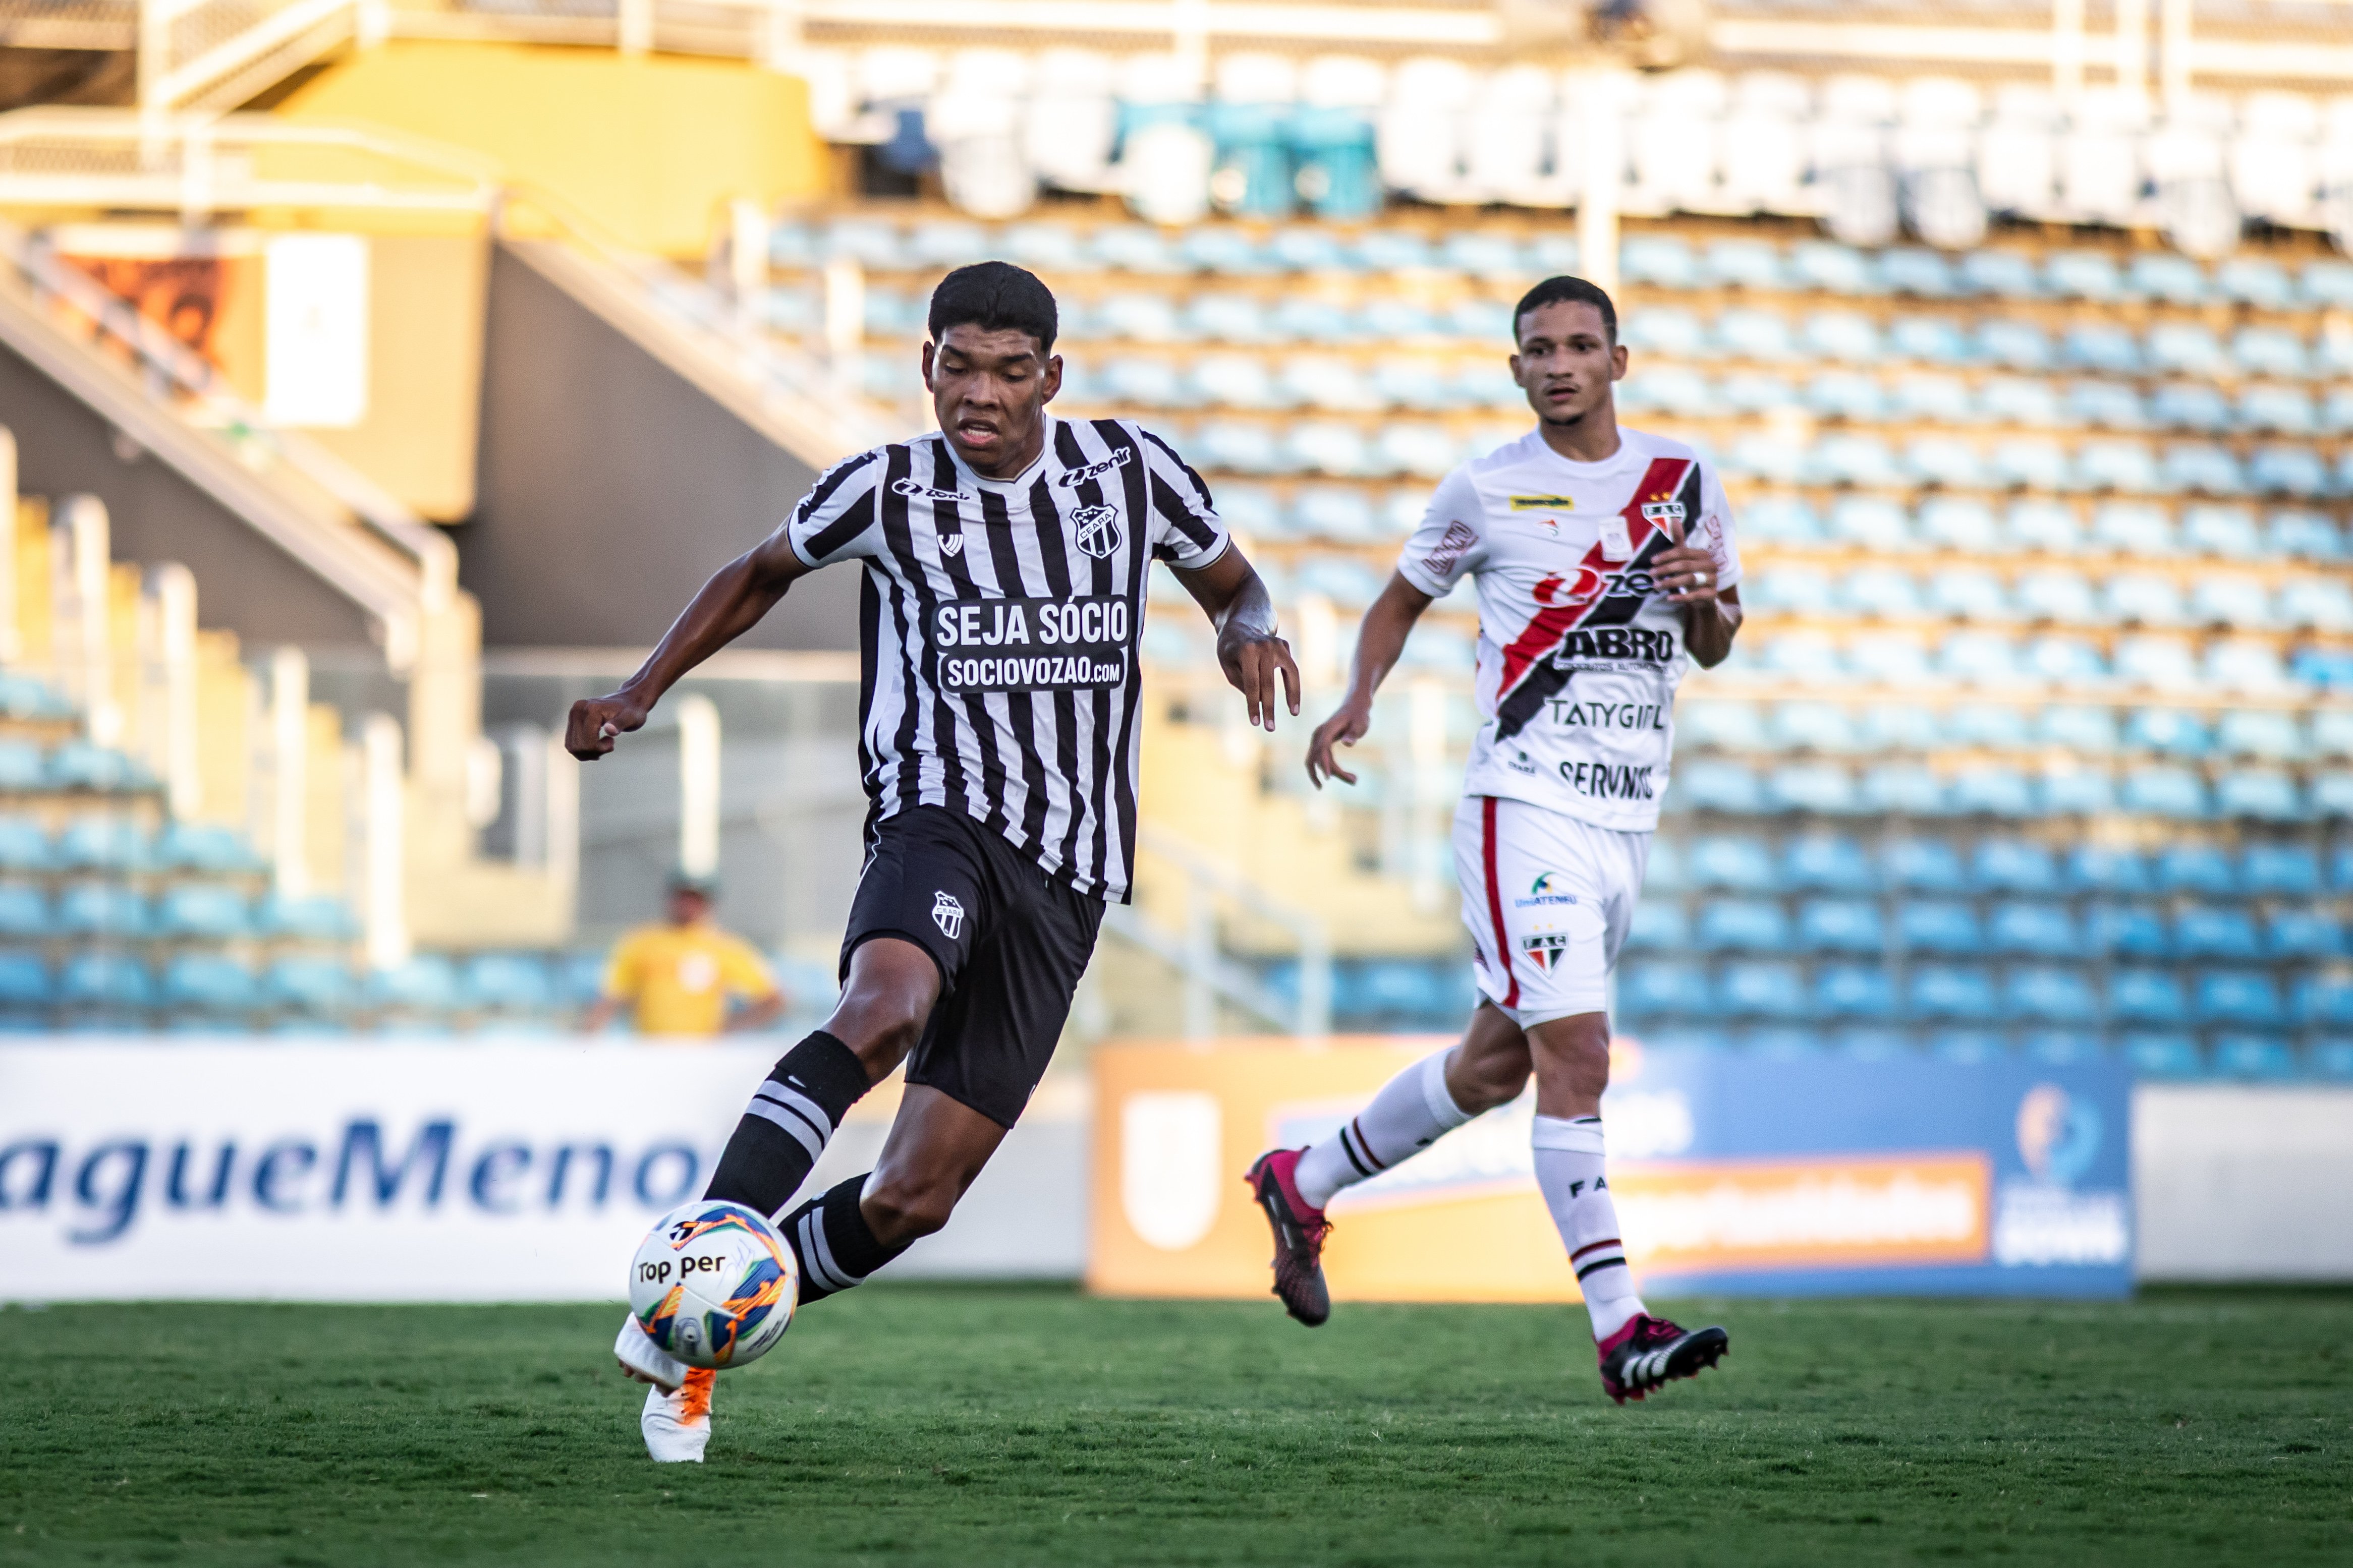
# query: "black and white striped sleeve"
(839, 519)
(1186, 530)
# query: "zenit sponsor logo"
(1575, 714)
(1073, 479)
(1543, 891)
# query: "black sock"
(791, 1116)
(836, 1246)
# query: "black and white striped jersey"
(998, 626)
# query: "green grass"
(988, 1425)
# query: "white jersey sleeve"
(838, 520)
(1185, 528)
(1713, 532)
(1451, 541)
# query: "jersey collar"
(1019, 483)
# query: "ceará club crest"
(1097, 530)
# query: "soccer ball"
(713, 1284)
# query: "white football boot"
(676, 1421)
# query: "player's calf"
(793, 1115)
(835, 1243)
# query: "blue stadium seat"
(1781, 520)
(1782, 1043)
(103, 842)
(22, 766)
(2190, 468)
(2305, 933)
(202, 846)
(105, 980)
(1813, 727)
(1712, 784)
(1869, 1043)
(2059, 1047)
(1944, 991)
(2270, 351)
(25, 910)
(205, 909)
(1923, 866)
(1761, 989)
(1742, 864)
(2147, 995)
(1927, 274)
(79, 765)
(103, 908)
(2202, 931)
(2065, 787)
(2030, 930)
(2261, 795)
(2162, 1054)
(1392, 989)
(24, 845)
(427, 983)
(2306, 535)
(1726, 723)
(2046, 993)
(311, 984)
(1853, 991)
(1841, 925)
(2169, 731)
(580, 976)
(2331, 1058)
(2256, 280)
(315, 918)
(2229, 531)
(1668, 869)
(1827, 863)
(2197, 869)
(1655, 987)
(1742, 925)
(2165, 791)
(1994, 725)
(1663, 260)
(2325, 999)
(2015, 866)
(1659, 925)
(24, 980)
(1939, 925)
(2014, 345)
(2253, 1057)
(2092, 868)
(1962, 523)
(2256, 733)
(1825, 789)
(1967, 1047)
(2106, 406)
(507, 982)
(2128, 930)
(209, 982)
(2083, 730)
(2238, 996)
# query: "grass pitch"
(999, 1426)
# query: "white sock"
(1409, 1114)
(1569, 1169)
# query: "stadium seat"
(2065, 787)
(2045, 525)
(2027, 930)
(1966, 1046)
(2280, 869)
(1813, 727)
(1923, 866)
(1937, 925)
(1668, 870)
(313, 986)
(425, 984)
(507, 981)
(1869, 1043)
(2147, 995)
(25, 910)
(2087, 731)
(1853, 991)
(2059, 1047)
(1941, 990)
(24, 980)
(2169, 791)
(2259, 732)
(210, 982)
(1822, 788)
(1839, 925)
(103, 979)
(2330, 1058)
(203, 847)
(103, 842)
(1828, 863)
(2198, 868)
(2204, 932)
(1717, 786)
(1659, 925)
(24, 844)
(2253, 1057)
(2238, 996)
(2264, 795)
(2014, 866)
(1656, 987)
(2162, 1054)
(314, 918)
(1740, 865)
(203, 909)
(2046, 993)
(103, 908)
(1761, 989)
(1742, 925)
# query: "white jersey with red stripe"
(1578, 655)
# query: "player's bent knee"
(900, 1209)
(1576, 1049)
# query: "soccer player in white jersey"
(1006, 557)
(1603, 561)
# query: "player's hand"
(596, 721)
(1345, 728)
(1687, 574)
(1252, 662)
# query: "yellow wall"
(650, 147)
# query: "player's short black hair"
(996, 296)
(1572, 290)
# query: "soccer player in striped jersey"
(1005, 560)
(1603, 562)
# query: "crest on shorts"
(1545, 948)
(947, 914)
(1099, 533)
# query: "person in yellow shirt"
(679, 978)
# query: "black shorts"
(1010, 942)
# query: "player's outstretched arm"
(728, 606)
(1250, 652)
(1379, 642)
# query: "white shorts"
(1549, 898)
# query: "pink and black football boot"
(1650, 1353)
(1299, 1233)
